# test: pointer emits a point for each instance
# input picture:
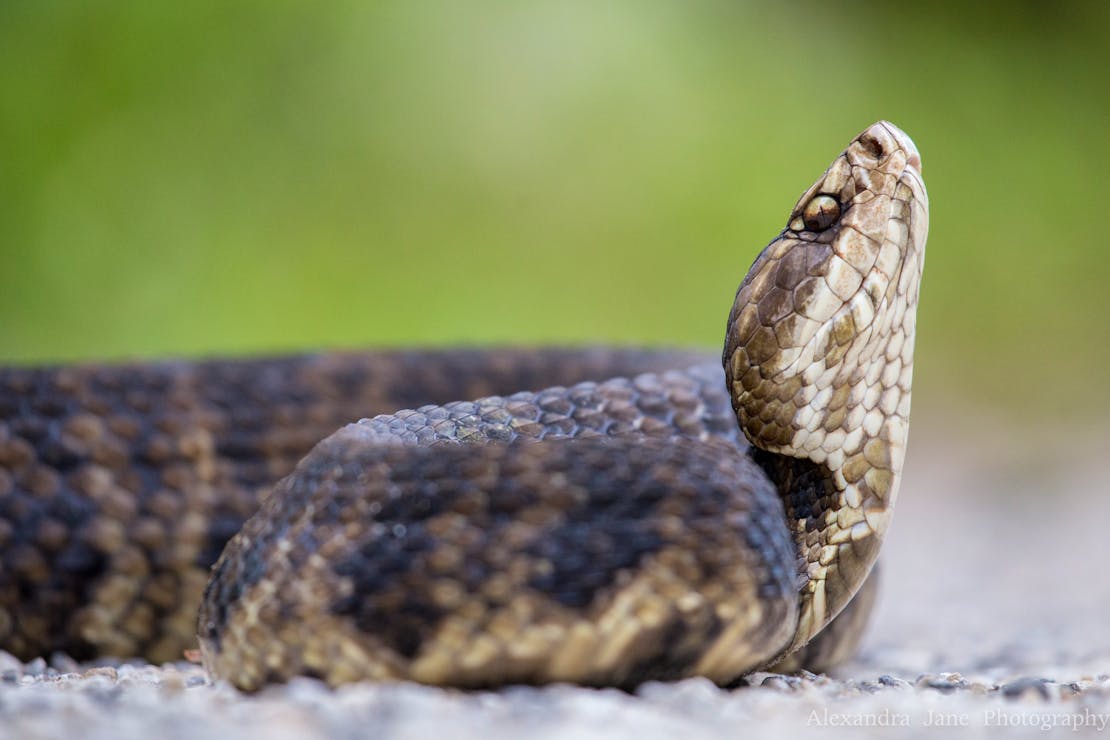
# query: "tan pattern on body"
(121, 484)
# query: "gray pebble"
(894, 683)
(1027, 688)
(786, 684)
(944, 682)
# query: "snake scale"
(647, 516)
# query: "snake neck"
(838, 511)
(819, 358)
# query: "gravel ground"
(988, 622)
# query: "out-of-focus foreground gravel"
(994, 586)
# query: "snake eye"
(821, 212)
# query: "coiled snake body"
(659, 524)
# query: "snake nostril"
(872, 146)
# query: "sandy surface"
(989, 621)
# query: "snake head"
(827, 311)
(819, 349)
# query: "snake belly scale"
(648, 516)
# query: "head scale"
(819, 357)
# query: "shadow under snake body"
(659, 524)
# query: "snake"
(600, 516)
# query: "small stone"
(172, 682)
(105, 671)
(893, 682)
(944, 682)
(64, 664)
(9, 662)
(785, 684)
(867, 687)
(1027, 688)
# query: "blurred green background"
(246, 177)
